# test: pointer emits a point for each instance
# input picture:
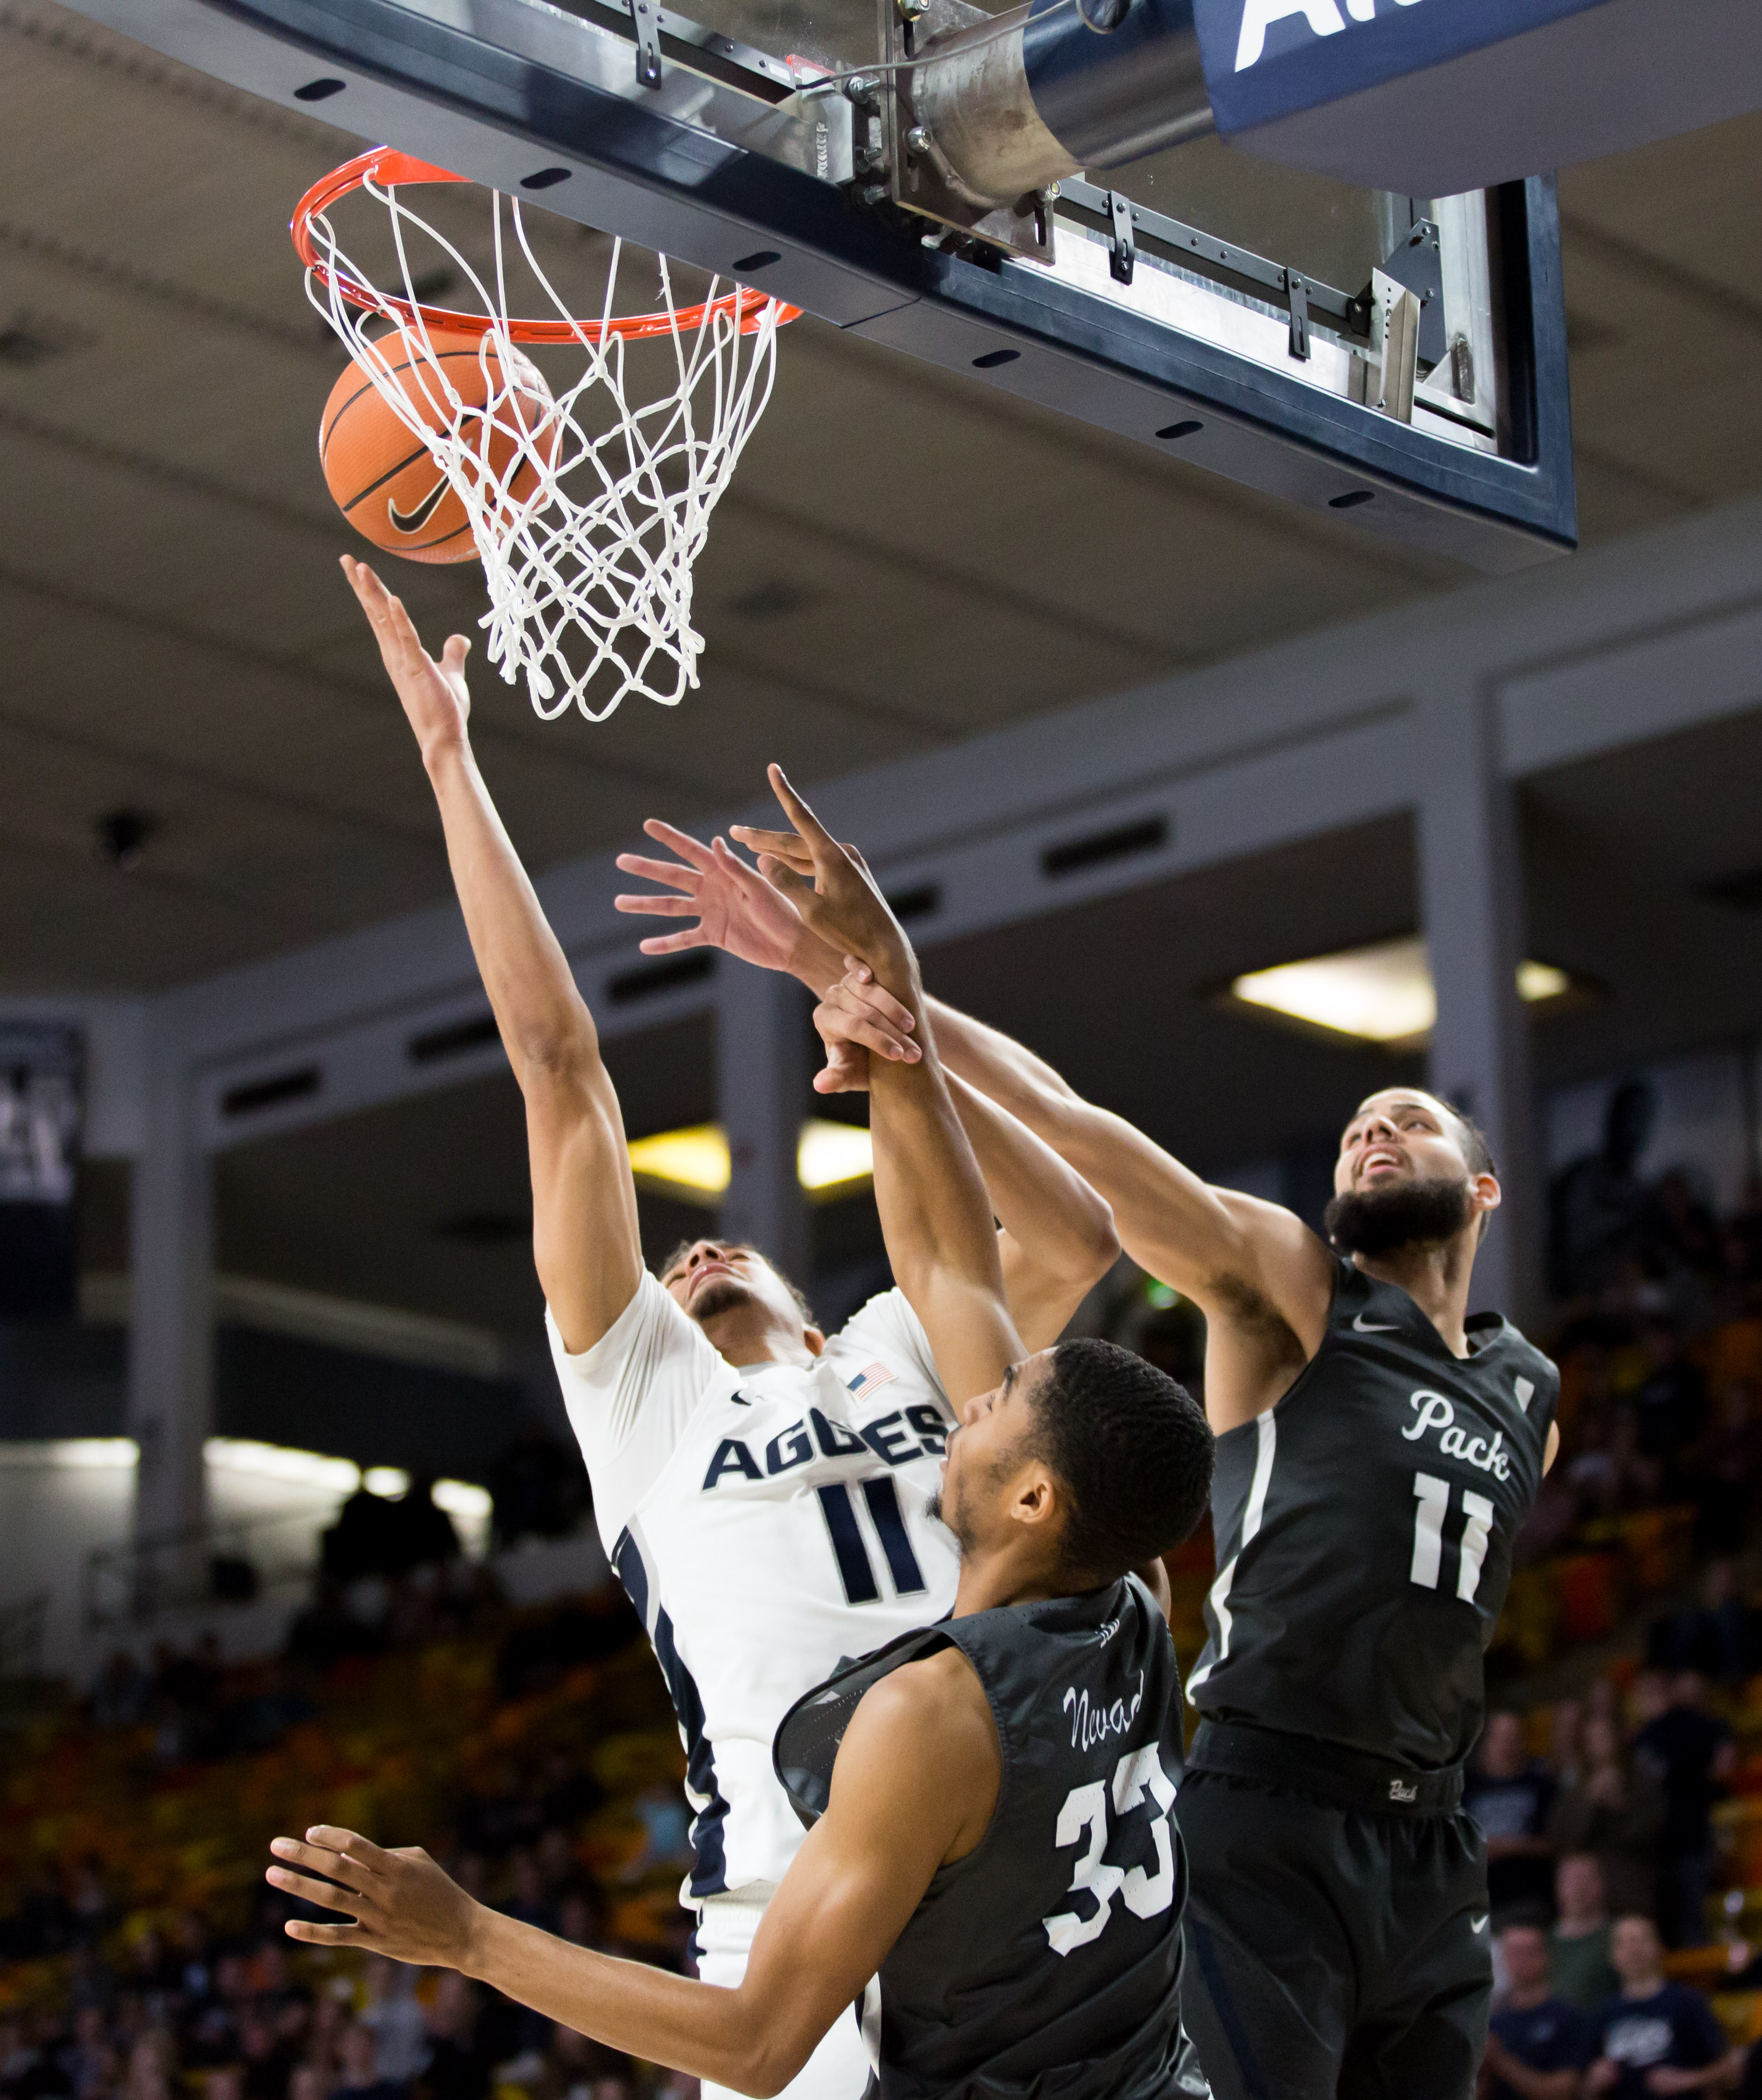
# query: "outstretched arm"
(914, 1783)
(1262, 1278)
(936, 1215)
(585, 1237)
(1058, 1239)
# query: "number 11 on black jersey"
(1432, 1499)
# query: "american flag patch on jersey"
(866, 1381)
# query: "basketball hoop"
(586, 535)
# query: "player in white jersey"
(762, 1490)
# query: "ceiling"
(425, 1204)
(904, 558)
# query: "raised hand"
(858, 1019)
(835, 893)
(403, 1904)
(435, 697)
(735, 907)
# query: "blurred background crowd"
(1618, 1780)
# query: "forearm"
(531, 989)
(935, 1213)
(719, 2036)
(1169, 1220)
(1045, 1205)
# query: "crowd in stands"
(1619, 1779)
(142, 1955)
(1625, 1816)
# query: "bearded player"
(990, 1797)
(1378, 1451)
(762, 1490)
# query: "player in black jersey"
(990, 1798)
(1377, 1453)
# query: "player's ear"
(815, 1340)
(1034, 1502)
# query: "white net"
(589, 503)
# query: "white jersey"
(767, 1523)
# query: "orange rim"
(389, 167)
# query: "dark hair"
(1134, 1450)
(745, 1247)
(1479, 1152)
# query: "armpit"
(1255, 1316)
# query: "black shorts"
(1330, 1951)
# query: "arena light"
(1381, 993)
(692, 1164)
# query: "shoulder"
(928, 1720)
(886, 1326)
(935, 1692)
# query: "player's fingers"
(846, 1071)
(454, 654)
(841, 1022)
(657, 907)
(367, 587)
(682, 843)
(668, 871)
(321, 1935)
(782, 845)
(806, 822)
(320, 1859)
(859, 987)
(309, 1890)
(350, 1843)
(730, 865)
(671, 944)
(781, 876)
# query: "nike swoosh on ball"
(413, 521)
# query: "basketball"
(387, 482)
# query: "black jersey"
(1364, 1528)
(1048, 1961)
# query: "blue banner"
(1269, 58)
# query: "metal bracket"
(1298, 292)
(917, 177)
(1418, 264)
(645, 16)
(1220, 260)
(1122, 256)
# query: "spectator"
(1599, 1209)
(358, 2074)
(328, 1630)
(366, 1539)
(394, 2020)
(455, 2069)
(1536, 2043)
(1691, 1755)
(1654, 2036)
(538, 1487)
(1671, 1401)
(1727, 1460)
(1509, 1795)
(1583, 1973)
(1566, 1741)
(1718, 1637)
(1613, 1808)
(424, 1533)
